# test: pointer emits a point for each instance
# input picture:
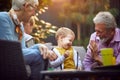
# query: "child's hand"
(66, 54)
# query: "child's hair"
(63, 31)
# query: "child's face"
(66, 42)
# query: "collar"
(17, 23)
(14, 17)
(116, 37)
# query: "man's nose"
(97, 33)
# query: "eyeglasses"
(34, 7)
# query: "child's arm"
(57, 62)
(60, 59)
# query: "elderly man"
(11, 28)
(106, 35)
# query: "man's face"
(102, 32)
(67, 41)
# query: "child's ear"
(61, 37)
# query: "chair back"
(82, 52)
(12, 65)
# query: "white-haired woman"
(11, 28)
(106, 35)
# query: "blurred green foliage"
(82, 42)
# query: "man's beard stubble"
(104, 40)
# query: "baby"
(68, 57)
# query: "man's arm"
(92, 53)
(118, 56)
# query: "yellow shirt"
(69, 62)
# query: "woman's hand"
(44, 51)
(51, 55)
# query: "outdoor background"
(74, 14)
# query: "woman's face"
(29, 10)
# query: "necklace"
(17, 24)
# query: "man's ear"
(113, 31)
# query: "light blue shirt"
(7, 27)
(7, 32)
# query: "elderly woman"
(11, 28)
(106, 35)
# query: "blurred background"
(74, 14)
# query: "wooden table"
(82, 75)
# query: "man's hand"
(94, 50)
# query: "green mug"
(107, 56)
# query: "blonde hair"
(63, 31)
(18, 4)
